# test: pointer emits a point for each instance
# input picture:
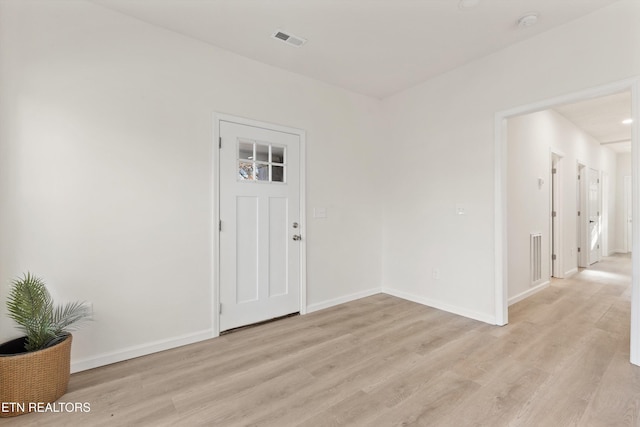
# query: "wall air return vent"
(289, 38)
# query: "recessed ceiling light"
(465, 4)
(627, 121)
(528, 20)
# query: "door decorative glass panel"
(261, 162)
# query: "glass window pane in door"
(277, 173)
(262, 172)
(262, 152)
(245, 150)
(245, 171)
(277, 154)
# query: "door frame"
(604, 214)
(215, 179)
(628, 198)
(598, 174)
(556, 196)
(500, 197)
(582, 220)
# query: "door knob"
(297, 237)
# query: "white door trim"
(591, 173)
(604, 211)
(583, 221)
(556, 196)
(500, 197)
(215, 179)
(627, 202)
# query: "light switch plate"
(319, 212)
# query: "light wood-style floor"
(381, 361)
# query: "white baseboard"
(482, 317)
(139, 350)
(529, 292)
(341, 300)
(570, 273)
(161, 345)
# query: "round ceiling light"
(528, 20)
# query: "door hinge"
(220, 225)
(598, 246)
(219, 308)
(578, 213)
(554, 170)
(598, 181)
(553, 214)
(578, 177)
(220, 142)
(578, 249)
(553, 257)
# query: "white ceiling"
(602, 118)
(373, 47)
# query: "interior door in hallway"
(594, 216)
(582, 219)
(260, 223)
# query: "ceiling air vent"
(289, 38)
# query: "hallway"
(580, 335)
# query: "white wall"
(106, 171)
(624, 169)
(106, 167)
(442, 134)
(531, 139)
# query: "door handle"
(591, 222)
(297, 237)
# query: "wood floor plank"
(499, 401)
(616, 400)
(563, 360)
(431, 404)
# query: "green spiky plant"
(29, 304)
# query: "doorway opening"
(504, 233)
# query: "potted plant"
(35, 369)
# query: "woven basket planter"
(35, 377)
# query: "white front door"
(594, 216)
(260, 224)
